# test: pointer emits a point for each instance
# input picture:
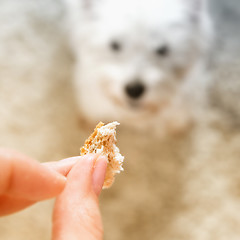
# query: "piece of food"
(103, 141)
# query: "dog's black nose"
(135, 90)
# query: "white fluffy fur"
(171, 82)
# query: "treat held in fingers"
(103, 141)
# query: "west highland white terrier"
(140, 62)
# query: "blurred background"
(178, 188)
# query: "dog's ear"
(197, 4)
(89, 8)
(88, 5)
(197, 8)
(82, 6)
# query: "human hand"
(24, 181)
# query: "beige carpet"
(185, 188)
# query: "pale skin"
(75, 182)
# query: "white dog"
(140, 62)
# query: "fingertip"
(84, 165)
(63, 166)
(79, 178)
(102, 158)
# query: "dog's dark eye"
(115, 46)
(162, 51)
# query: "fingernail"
(70, 160)
(99, 174)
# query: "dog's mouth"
(134, 104)
(147, 106)
(141, 105)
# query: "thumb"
(76, 213)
